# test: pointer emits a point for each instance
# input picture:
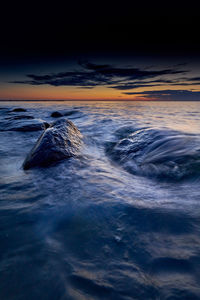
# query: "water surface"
(121, 221)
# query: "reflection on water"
(93, 228)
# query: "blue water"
(120, 221)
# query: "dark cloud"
(150, 83)
(138, 84)
(129, 73)
(91, 66)
(175, 95)
(92, 75)
(194, 79)
(134, 85)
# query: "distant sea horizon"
(103, 100)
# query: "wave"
(157, 153)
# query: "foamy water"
(121, 221)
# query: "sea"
(119, 221)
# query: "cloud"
(91, 75)
(138, 84)
(131, 86)
(175, 95)
(194, 79)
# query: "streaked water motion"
(120, 221)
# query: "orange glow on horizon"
(46, 92)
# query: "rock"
(161, 154)
(19, 109)
(61, 140)
(32, 127)
(25, 125)
(56, 114)
(71, 112)
(20, 117)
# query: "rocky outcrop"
(61, 140)
(163, 154)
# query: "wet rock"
(20, 117)
(56, 114)
(46, 125)
(157, 153)
(33, 127)
(71, 112)
(19, 109)
(61, 140)
(26, 125)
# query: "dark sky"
(37, 36)
(41, 29)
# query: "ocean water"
(120, 221)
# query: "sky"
(100, 51)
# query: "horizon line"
(107, 100)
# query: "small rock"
(71, 112)
(20, 117)
(56, 114)
(19, 110)
(25, 125)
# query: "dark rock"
(33, 127)
(61, 140)
(71, 112)
(56, 114)
(26, 125)
(19, 110)
(162, 154)
(20, 117)
(46, 125)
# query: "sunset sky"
(101, 52)
(135, 79)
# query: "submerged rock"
(25, 126)
(157, 153)
(71, 112)
(56, 114)
(37, 126)
(20, 117)
(61, 140)
(19, 109)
